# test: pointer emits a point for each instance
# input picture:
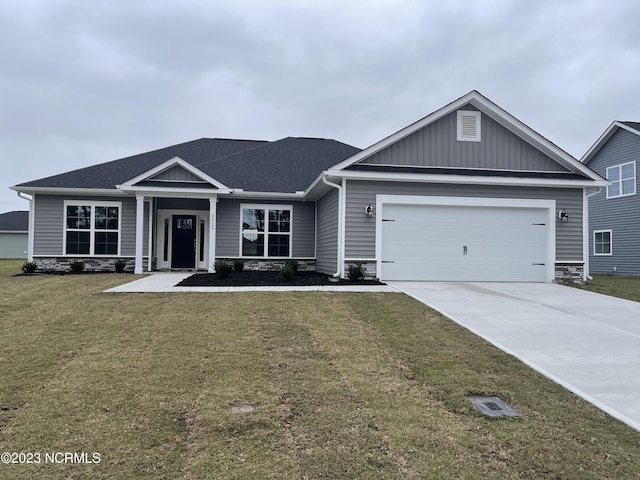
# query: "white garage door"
(464, 243)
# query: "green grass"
(615, 285)
(368, 386)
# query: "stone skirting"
(266, 265)
(91, 264)
(569, 272)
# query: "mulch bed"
(265, 279)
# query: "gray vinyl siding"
(228, 227)
(49, 224)
(327, 243)
(436, 146)
(360, 229)
(176, 173)
(621, 215)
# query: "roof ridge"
(261, 145)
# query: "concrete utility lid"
(492, 406)
(243, 408)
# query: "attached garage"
(465, 239)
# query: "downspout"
(585, 229)
(30, 234)
(340, 256)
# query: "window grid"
(623, 180)
(92, 228)
(265, 231)
(602, 242)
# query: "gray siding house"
(466, 193)
(14, 229)
(614, 211)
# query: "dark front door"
(183, 244)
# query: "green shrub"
(286, 273)
(355, 272)
(238, 265)
(223, 268)
(77, 266)
(29, 267)
(293, 265)
(120, 264)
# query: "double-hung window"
(602, 242)
(623, 180)
(266, 231)
(92, 228)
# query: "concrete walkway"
(587, 342)
(167, 281)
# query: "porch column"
(150, 245)
(139, 233)
(213, 201)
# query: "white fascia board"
(15, 231)
(68, 191)
(466, 179)
(267, 195)
(172, 192)
(604, 138)
(171, 163)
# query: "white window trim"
(610, 232)
(619, 167)
(478, 119)
(92, 230)
(265, 206)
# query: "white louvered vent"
(468, 126)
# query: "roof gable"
(546, 153)
(168, 174)
(632, 127)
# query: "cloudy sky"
(83, 82)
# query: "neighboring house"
(614, 211)
(466, 193)
(14, 229)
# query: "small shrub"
(238, 265)
(293, 265)
(223, 268)
(77, 266)
(29, 267)
(286, 273)
(355, 272)
(120, 264)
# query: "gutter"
(30, 232)
(340, 257)
(585, 229)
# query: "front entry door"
(183, 244)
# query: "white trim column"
(139, 233)
(213, 201)
(150, 243)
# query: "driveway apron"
(587, 342)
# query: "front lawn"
(349, 385)
(615, 285)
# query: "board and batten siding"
(228, 227)
(327, 243)
(49, 221)
(621, 215)
(435, 145)
(360, 229)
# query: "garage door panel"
(464, 243)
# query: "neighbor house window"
(602, 242)
(623, 180)
(92, 228)
(266, 231)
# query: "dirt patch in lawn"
(256, 278)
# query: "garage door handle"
(388, 261)
(539, 264)
(388, 220)
(464, 250)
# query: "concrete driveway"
(587, 342)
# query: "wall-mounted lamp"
(368, 210)
(563, 216)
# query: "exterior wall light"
(368, 210)
(563, 216)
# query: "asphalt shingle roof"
(286, 165)
(16, 221)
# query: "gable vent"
(468, 126)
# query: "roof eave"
(67, 190)
(604, 138)
(465, 179)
